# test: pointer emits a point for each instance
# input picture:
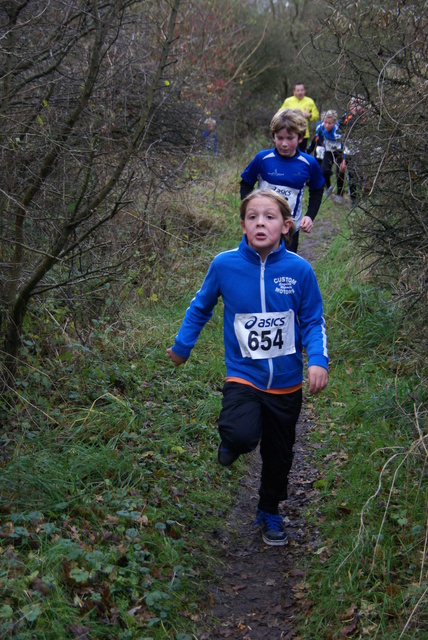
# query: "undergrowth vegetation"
(370, 576)
(108, 473)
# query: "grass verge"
(368, 578)
(108, 469)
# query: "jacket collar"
(252, 256)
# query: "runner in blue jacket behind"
(272, 310)
(287, 171)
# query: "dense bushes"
(379, 55)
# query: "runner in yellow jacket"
(307, 106)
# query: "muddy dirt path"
(258, 591)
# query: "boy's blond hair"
(331, 113)
(291, 119)
(283, 205)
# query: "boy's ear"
(301, 139)
(243, 226)
(286, 226)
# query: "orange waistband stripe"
(273, 391)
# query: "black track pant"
(294, 242)
(332, 159)
(250, 416)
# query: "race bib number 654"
(265, 335)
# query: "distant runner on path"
(287, 171)
(299, 100)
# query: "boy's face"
(299, 91)
(329, 123)
(264, 225)
(286, 142)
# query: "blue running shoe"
(273, 528)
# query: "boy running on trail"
(272, 310)
(330, 136)
(287, 170)
(352, 123)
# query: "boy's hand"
(177, 360)
(307, 224)
(317, 378)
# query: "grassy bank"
(108, 475)
(369, 576)
(109, 479)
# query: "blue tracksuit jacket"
(272, 310)
(286, 176)
(331, 140)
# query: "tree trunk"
(26, 277)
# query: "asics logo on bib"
(285, 193)
(263, 323)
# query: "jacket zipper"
(263, 301)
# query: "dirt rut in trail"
(258, 591)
